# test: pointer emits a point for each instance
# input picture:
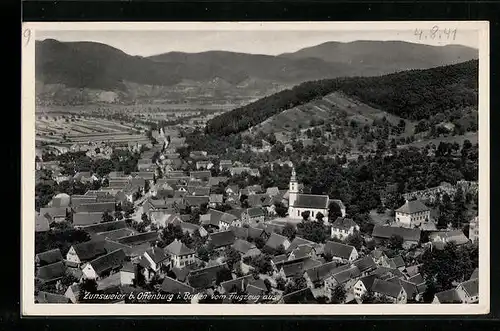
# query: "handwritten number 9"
(27, 36)
(434, 30)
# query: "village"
(167, 233)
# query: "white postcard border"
(29, 308)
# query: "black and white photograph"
(208, 165)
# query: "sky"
(147, 43)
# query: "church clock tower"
(293, 189)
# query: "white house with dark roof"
(341, 252)
(412, 214)
(468, 291)
(389, 290)
(299, 203)
(180, 254)
(343, 227)
(104, 265)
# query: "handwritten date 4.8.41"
(436, 33)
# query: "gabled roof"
(338, 250)
(195, 200)
(301, 296)
(365, 263)
(178, 248)
(396, 262)
(275, 240)
(49, 257)
(385, 232)
(302, 251)
(417, 279)
(90, 249)
(84, 219)
(236, 212)
(258, 200)
(311, 201)
(368, 281)
(95, 207)
(297, 241)
(412, 207)
(255, 212)
(53, 212)
(455, 236)
(41, 223)
(77, 200)
(156, 254)
(471, 287)
(348, 274)
(51, 272)
(242, 246)
(200, 174)
(221, 239)
(272, 191)
(386, 288)
(239, 283)
(475, 274)
(449, 296)
(139, 238)
(205, 277)
(173, 286)
(216, 198)
(198, 190)
(108, 262)
(344, 223)
(104, 227)
(410, 288)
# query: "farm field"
(471, 136)
(58, 129)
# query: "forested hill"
(413, 94)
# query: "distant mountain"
(387, 56)
(67, 70)
(413, 95)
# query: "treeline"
(413, 94)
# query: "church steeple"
(294, 175)
(293, 188)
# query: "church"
(298, 202)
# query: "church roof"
(311, 201)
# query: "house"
(411, 290)
(221, 239)
(86, 251)
(253, 215)
(104, 265)
(346, 278)
(180, 254)
(237, 285)
(259, 200)
(61, 200)
(343, 227)
(200, 175)
(397, 262)
(316, 276)
(246, 248)
(363, 285)
(468, 291)
(196, 201)
(232, 190)
(277, 240)
(77, 200)
(173, 286)
(298, 241)
(138, 239)
(154, 258)
(441, 238)
(164, 217)
(394, 292)
(54, 214)
(365, 265)
(215, 199)
(206, 277)
(95, 207)
(223, 220)
(73, 293)
(83, 219)
(127, 273)
(198, 190)
(225, 165)
(48, 257)
(448, 296)
(302, 296)
(302, 252)
(41, 223)
(104, 227)
(204, 165)
(51, 272)
(47, 297)
(411, 237)
(474, 230)
(379, 257)
(341, 252)
(295, 268)
(144, 164)
(412, 214)
(193, 228)
(272, 191)
(84, 177)
(299, 203)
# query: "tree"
(262, 263)
(368, 297)
(107, 217)
(339, 294)
(305, 215)
(319, 217)
(267, 282)
(87, 286)
(203, 254)
(223, 275)
(289, 231)
(280, 209)
(118, 215)
(396, 242)
(334, 211)
(259, 242)
(232, 257)
(313, 231)
(280, 250)
(430, 291)
(355, 240)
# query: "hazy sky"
(147, 43)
